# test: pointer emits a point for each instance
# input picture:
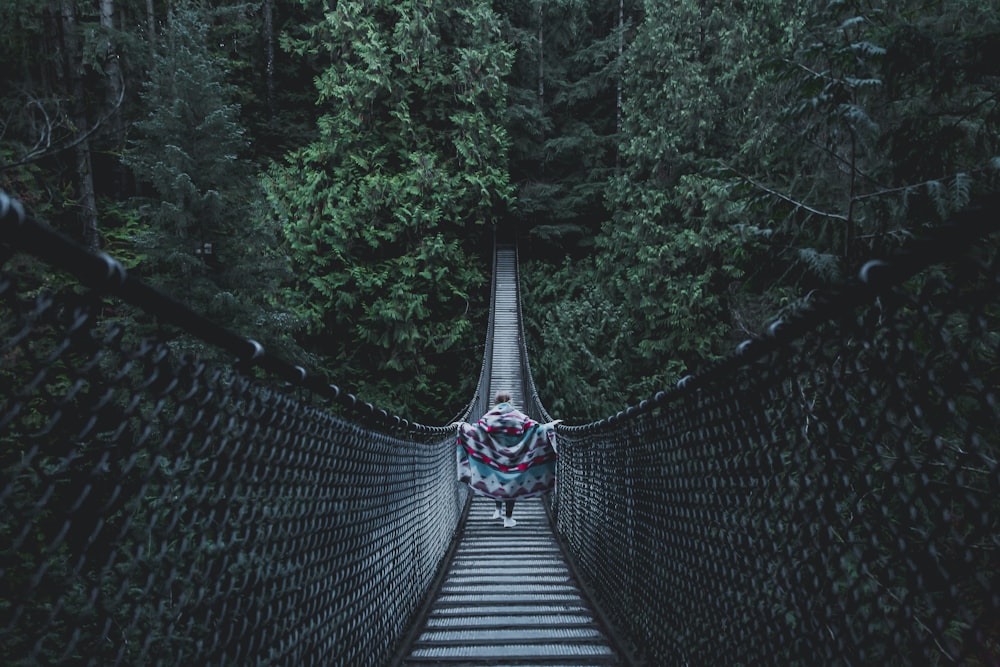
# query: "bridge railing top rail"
(105, 274)
(875, 277)
(830, 494)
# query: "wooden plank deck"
(509, 598)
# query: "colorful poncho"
(507, 455)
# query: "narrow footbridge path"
(509, 598)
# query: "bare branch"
(44, 136)
(37, 153)
(911, 186)
(836, 156)
(783, 196)
(819, 75)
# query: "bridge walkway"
(158, 508)
(509, 598)
(505, 371)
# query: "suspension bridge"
(828, 494)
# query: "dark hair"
(502, 397)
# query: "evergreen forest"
(327, 176)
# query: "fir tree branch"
(839, 158)
(783, 196)
(911, 186)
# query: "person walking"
(507, 456)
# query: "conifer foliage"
(382, 213)
(562, 115)
(702, 163)
(767, 148)
(200, 231)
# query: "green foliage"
(562, 117)
(676, 250)
(201, 235)
(386, 212)
(579, 341)
(893, 120)
(763, 149)
(768, 149)
(122, 225)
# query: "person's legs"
(509, 521)
(496, 512)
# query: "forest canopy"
(326, 176)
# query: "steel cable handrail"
(102, 272)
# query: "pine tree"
(383, 211)
(676, 255)
(563, 116)
(766, 150)
(672, 250)
(891, 112)
(203, 239)
(272, 86)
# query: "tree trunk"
(618, 84)
(541, 58)
(114, 132)
(269, 46)
(73, 80)
(151, 21)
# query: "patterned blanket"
(507, 455)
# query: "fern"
(938, 194)
(961, 191)
(822, 264)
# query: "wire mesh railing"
(826, 496)
(156, 509)
(829, 495)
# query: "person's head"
(501, 397)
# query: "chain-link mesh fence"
(830, 495)
(159, 510)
